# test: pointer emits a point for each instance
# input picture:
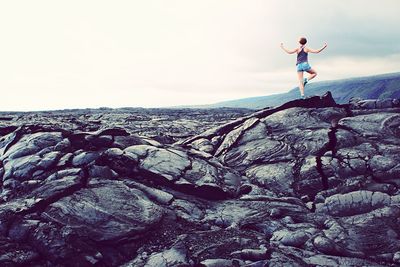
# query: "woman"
(302, 62)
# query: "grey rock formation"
(308, 183)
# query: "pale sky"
(153, 53)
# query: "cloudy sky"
(151, 53)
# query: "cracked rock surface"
(308, 183)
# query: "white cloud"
(346, 67)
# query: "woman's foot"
(305, 81)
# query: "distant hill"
(370, 87)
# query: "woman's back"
(302, 56)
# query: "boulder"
(101, 212)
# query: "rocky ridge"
(307, 183)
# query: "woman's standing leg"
(301, 82)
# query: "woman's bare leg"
(313, 73)
(301, 82)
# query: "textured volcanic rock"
(161, 125)
(308, 183)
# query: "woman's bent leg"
(312, 73)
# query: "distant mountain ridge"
(369, 87)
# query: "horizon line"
(197, 106)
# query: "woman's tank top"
(302, 56)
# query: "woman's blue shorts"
(303, 66)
